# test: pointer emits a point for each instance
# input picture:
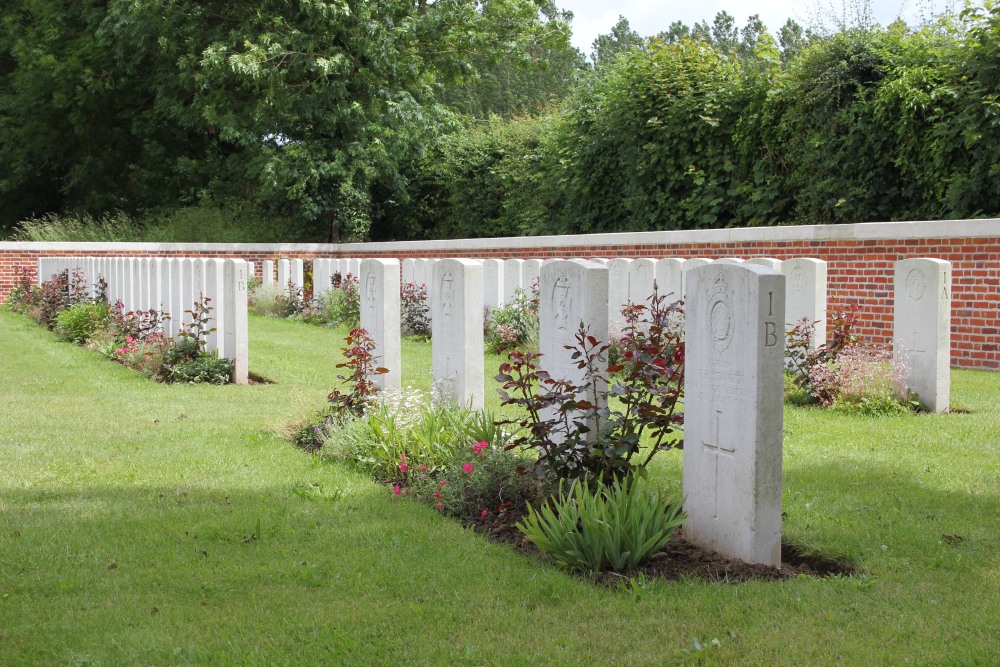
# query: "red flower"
(402, 463)
(467, 467)
(483, 515)
(395, 490)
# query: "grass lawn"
(171, 525)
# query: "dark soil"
(679, 559)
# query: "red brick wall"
(859, 271)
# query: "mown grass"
(170, 525)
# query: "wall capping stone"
(927, 229)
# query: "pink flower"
(424, 468)
(402, 463)
(483, 515)
(395, 490)
(478, 447)
(467, 467)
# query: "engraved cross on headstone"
(717, 449)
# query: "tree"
(607, 47)
(295, 109)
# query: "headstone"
(284, 273)
(234, 310)
(493, 282)
(320, 277)
(529, 273)
(407, 271)
(354, 267)
(641, 276)
(922, 328)
(164, 291)
(420, 271)
(298, 273)
(618, 287)
(768, 262)
(215, 289)
(512, 275)
(670, 278)
(572, 293)
(268, 276)
(734, 381)
(457, 344)
(729, 260)
(806, 294)
(379, 285)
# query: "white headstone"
(234, 310)
(420, 272)
(407, 271)
(734, 381)
(457, 344)
(298, 273)
(670, 278)
(729, 260)
(806, 294)
(284, 273)
(529, 273)
(267, 278)
(493, 282)
(572, 293)
(922, 328)
(354, 267)
(618, 287)
(512, 275)
(215, 289)
(379, 285)
(641, 276)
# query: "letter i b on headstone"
(734, 386)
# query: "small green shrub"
(276, 300)
(610, 527)
(79, 323)
(207, 367)
(513, 325)
(342, 304)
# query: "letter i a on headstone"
(457, 345)
(922, 328)
(734, 382)
(379, 285)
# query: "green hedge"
(884, 124)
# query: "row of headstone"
(734, 361)
(172, 285)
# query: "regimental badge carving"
(720, 315)
(561, 305)
(916, 284)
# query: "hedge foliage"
(866, 125)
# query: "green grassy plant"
(613, 526)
